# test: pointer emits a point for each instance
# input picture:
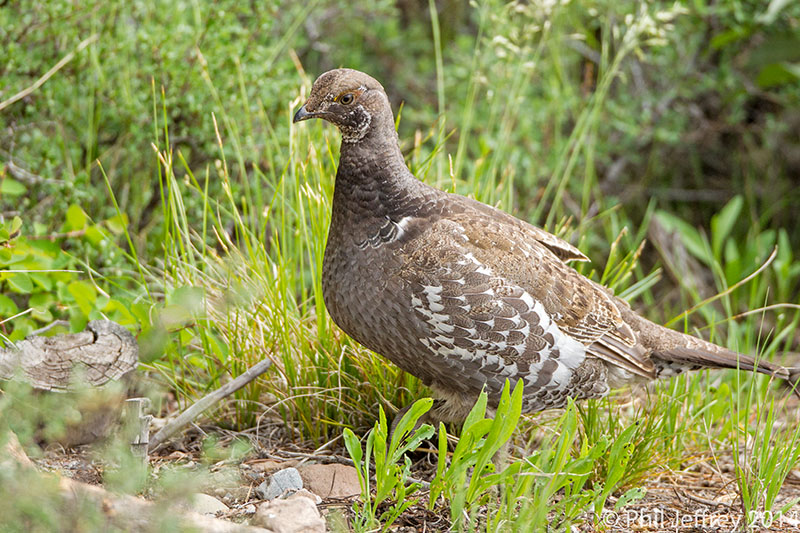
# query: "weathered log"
(104, 351)
(83, 365)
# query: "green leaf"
(152, 343)
(722, 223)
(478, 411)
(7, 306)
(353, 446)
(721, 40)
(16, 224)
(76, 218)
(41, 300)
(77, 321)
(690, 237)
(43, 279)
(117, 223)
(775, 74)
(42, 315)
(12, 187)
(632, 495)
(84, 294)
(20, 282)
(94, 234)
(406, 425)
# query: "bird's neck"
(373, 182)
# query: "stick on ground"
(207, 401)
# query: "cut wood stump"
(85, 366)
(104, 351)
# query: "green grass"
(211, 245)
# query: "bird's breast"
(364, 296)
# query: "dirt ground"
(699, 499)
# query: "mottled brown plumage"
(463, 295)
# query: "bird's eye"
(347, 99)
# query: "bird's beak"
(302, 114)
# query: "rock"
(331, 481)
(13, 455)
(307, 494)
(295, 514)
(232, 495)
(205, 504)
(279, 483)
(268, 466)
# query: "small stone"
(249, 509)
(331, 481)
(296, 514)
(267, 466)
(282, 481)
(303, 493)
(205, 504)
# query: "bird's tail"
(717, 357)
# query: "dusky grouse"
(463, 295)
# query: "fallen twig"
(207, 401)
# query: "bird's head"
(353, 101)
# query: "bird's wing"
(527, 232)
(513, 289)
(486, 320)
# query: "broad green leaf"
(353, 446)
(152, 343)
(722, 223)
(85, 295)
(76, 218)
(407, 422)
(43, 279)
(42, 315)
(12, 187)
(630, 496)
(117, 223)
(7, 306)
(77, 321)
(721, 40)
(94, 234)
(20, 282)
(41, 300)
(689, 236)
(478, 411)
(775, 74)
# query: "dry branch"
(207, 401)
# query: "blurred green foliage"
(712, 111)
